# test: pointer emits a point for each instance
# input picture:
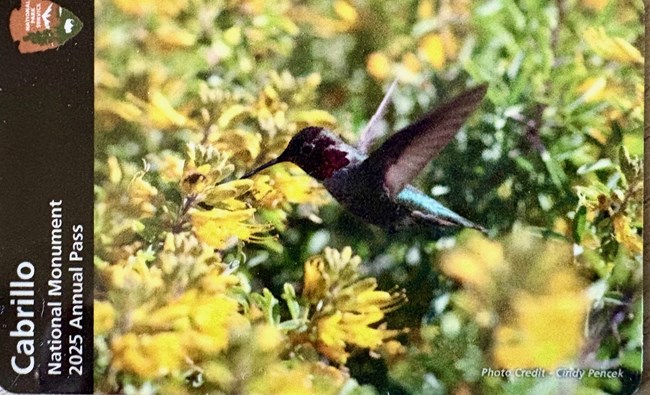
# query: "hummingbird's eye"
(306, 149)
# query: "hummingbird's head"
(316, 150)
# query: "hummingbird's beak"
(264, 166)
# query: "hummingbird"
(376, 186)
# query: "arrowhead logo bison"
(39, 25)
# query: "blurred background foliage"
(210, 284)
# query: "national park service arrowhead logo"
(40, 25)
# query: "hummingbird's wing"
(372, 131)
(409, 150)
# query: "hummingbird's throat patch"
(326, 158)
(334, 160)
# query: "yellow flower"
(547, 330)
(347, 308)
(432, 48)
(218, 372)
(378, 65)
(411, 62)
(204, 322)
(216, 319)
(339, 261)
(114, 170)
(393, 348)
(611, 48)
(140, 8)
(231, 113)
(337, 331)
(331, 338)
(227, 220)
(201, 183)
(449, 43)
(596, 5)
(221, 228)
(425, 9)
(195, 179)
(148, 356)
(528, 288)
(170, 35)
(243, 146)
(141, 189)
(103, 76)
(268, 338)
(223, 193)
(314, 118)
(125, 110)
(593, 89)
(161, 112)
(316, 280)
(283, 186)
(141, 194)
(186, 259)
(362, 297)
(288, 379)
(171, 167)
(216, 282)
(476, 265)
(347, 13)
(233, 35)
(134, 274)
(103, 317)
(625, 234)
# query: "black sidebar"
(46, 198)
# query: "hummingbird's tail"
(427, 210)
(455, 222)
(480, 228)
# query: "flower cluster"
(509, 288)
(199, 322)
(344, 309)
(434, 44)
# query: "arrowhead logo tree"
(40, 25)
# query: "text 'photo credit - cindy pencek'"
(560, 373)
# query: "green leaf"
(599, 165)
(579, 224)
(290, 325)
(289, 295)
(632, 360)
(630, 167)
(267, 303)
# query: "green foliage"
(41, 37)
